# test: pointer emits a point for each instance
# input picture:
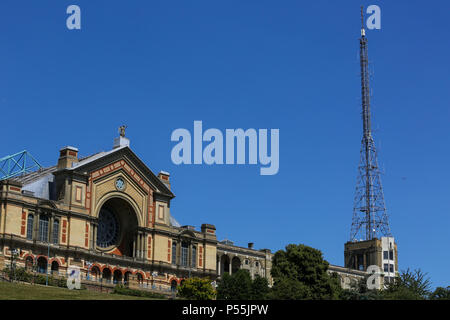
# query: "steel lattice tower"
(370, 219)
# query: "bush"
(197, 289)
(20, 274)
(120, 289)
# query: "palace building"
(110, 215)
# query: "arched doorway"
(29, 263)
(117, 276)
(126, 277)
(95, 273)
(106, 275)
(224, 264)
(42, 265)
(55, 268)
(117, 228)
(235, 264)
(173, 285)
(140, 278)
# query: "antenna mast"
(370, 219)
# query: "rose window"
(108, 229)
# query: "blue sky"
(293, 65)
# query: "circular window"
(120, 184)
(108, 229)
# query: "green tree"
(441, 294)
(197, 289)
(409, 285)
(259, 288)
(236, 286)
(359, 291)
(300, 272)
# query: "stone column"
(229, 258)
(95, 235)
(50, 229)
(219, 267)
(92, 236)
(142, 245)
(139, 247)
(145, 240)
(36, 225)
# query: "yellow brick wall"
(103, 187)
(210, 256)
(77, 232)
(161, 248)
(13, 219)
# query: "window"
(194, 257)
(30, 222)
(43, 228)
(174, 252)
(385, 255)
(386, 266)
(246, 261)
(161, 212)
(360, 262)
(391, 268)
(184, 254)
(257, 264)
(55, 235)
(78, 192)
(391, 254)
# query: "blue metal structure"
(17, 164)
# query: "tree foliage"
(359, 291)
(197, 289)
(300, 272)
(441, 294)
(260, 288)
(409, 285)
(240, 286)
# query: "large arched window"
(108, 228)
(30, 222)
(43, 228)
(55, 233)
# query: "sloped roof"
(93, 157)
(34, 176)
(90, 161)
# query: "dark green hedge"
(120, 289)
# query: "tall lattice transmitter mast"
(370, 219)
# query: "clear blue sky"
(159, 65)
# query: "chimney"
(250, 245)
(208, 228)
(67, 156)
(164, 177)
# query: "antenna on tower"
(363, 31)
(370, 219)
